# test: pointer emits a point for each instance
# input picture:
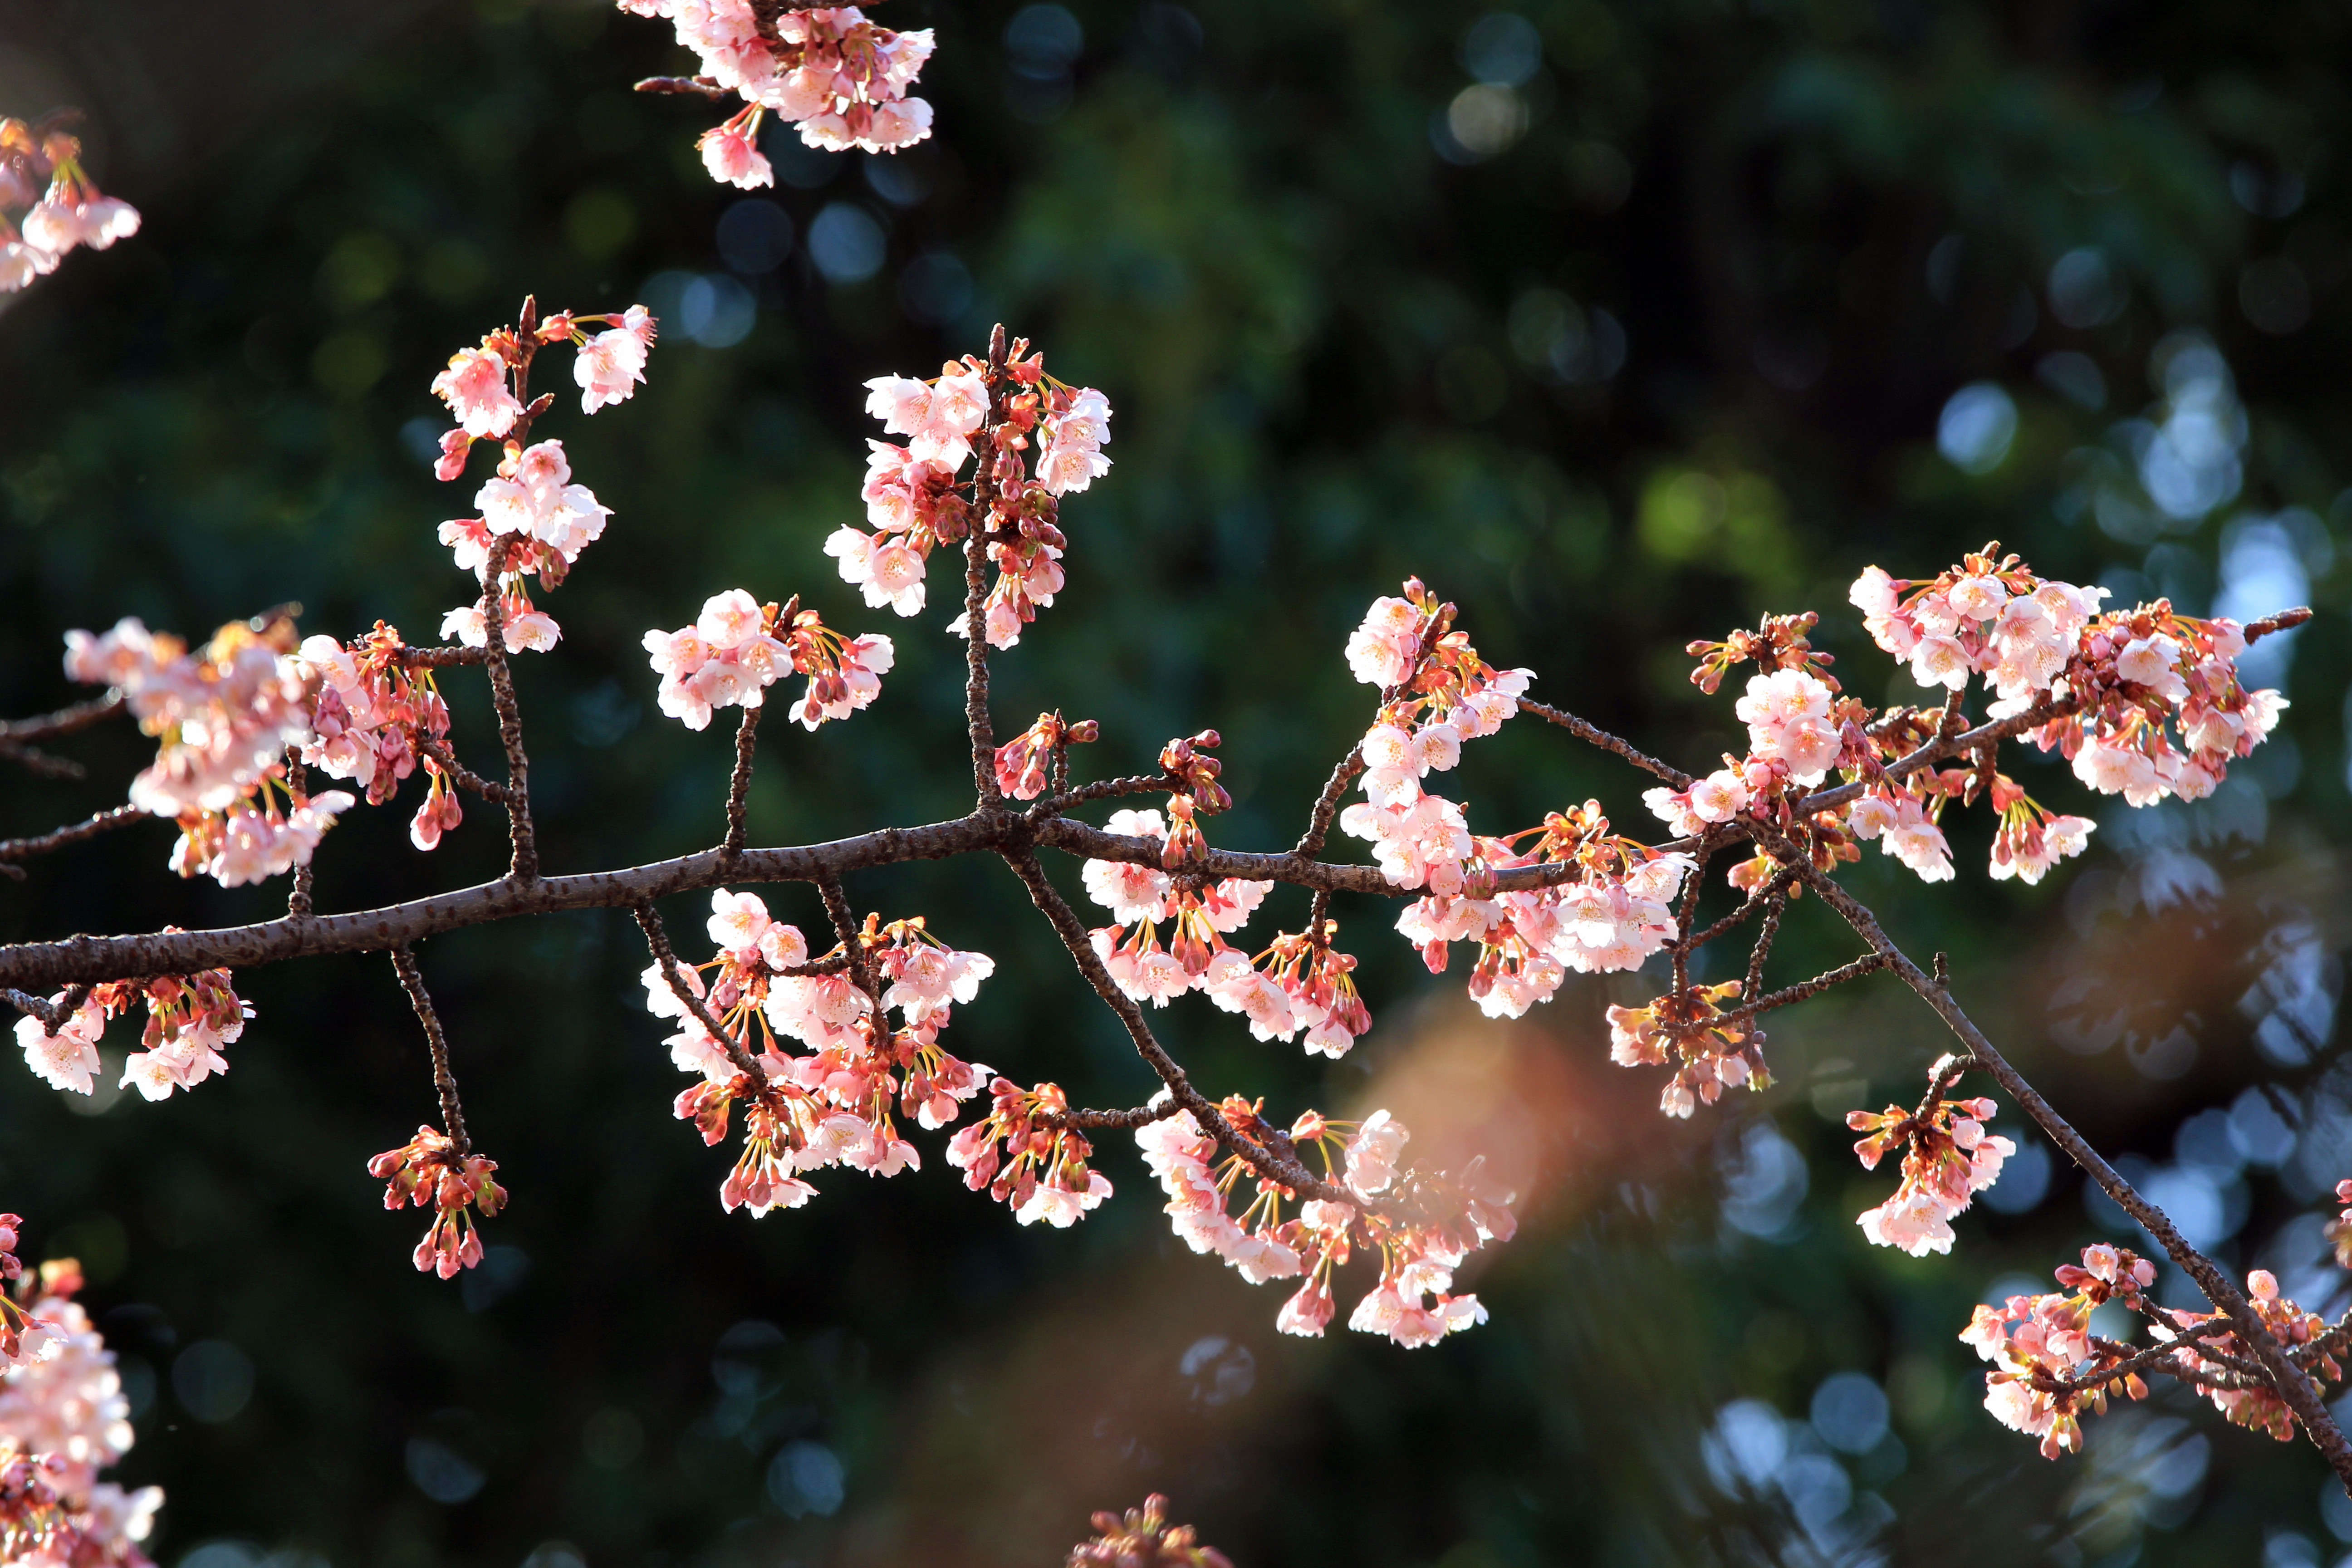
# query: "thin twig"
(1273, 1167)
(73, 833)
(462, 775)
(64, 722)
(977, 724)
(1771, 928)
(524, 867)
(739, 786)
(298, 784)
(845, 927)
(1607, 742)
(649, 921)
(445, 1082)
(52, 1015)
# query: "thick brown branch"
(46, 966)
(1117, 1121)
(445, 1082)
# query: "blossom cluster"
(840, 78)
(739, 648)
(45, 189)
(1717, 1048)
(2154, 707)
(189, 1018)
(375, 721)
(832, 1106)
(487, 387)
(63, 1418)
(1947, 1159)
(913, 493)
(535, 522)
(1615, 912)
(1022, 762)
(23, 1337)
(1436, 693)
(226, 716)
(431, 1171)
(1028, 1160)
(1142, 1538)
(2046, 1361)
(1412, 1303)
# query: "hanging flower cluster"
(1028, 1162)
(430, 1171)
(739, 648)
(227, 716)
(1717, 1052)
(63, 1418)
(1947, 1159)
(189, 1018)
(45, 189)
(832, 1106)
(1411, 1303)
(1142, 1538)
(841, 78)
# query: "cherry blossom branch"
(445, 1082)
(2290, 1382)
(1607, 742)
(665, 958)
(739, 786)
(462, 775)
(1326, 805)
(1755, 901)
(1770, 929)
(1282, 1170)
(2157, 1357)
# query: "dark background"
(1616, 343)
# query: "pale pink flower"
(1373, 1153)
(475, 388)
(726, 152)
(1911, 1221)
(610, 365)
(729, 620)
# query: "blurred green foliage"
(1619, 323)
